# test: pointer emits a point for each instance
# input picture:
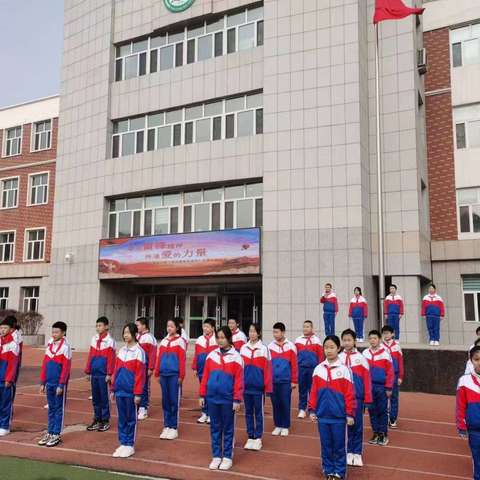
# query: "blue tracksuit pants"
(170, 400)
(355, 431)
(433, 326)
(7, 395)
(222, 429)
(304, 386)
(100, 401)
(394, 321)
(379, 409)
(127, 420)
(329, 321)
(394, 400)
(474, 444)
(145, 400)
(254, 414)
(281, 403)
(56, 408)
(332, 440)
(358, 326)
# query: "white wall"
(443, 13)
(34, 111)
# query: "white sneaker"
(172, 434)
(437, 343)
(432, 342)
(249, 444)
(142, 413)
(277, 431)
(361, 340)
(116, 453)
(164, 433)
(203, 419)
(226, 464)
(208, 420)
(302, 414)
(350, 459)
(215, 463)
(90, 397)
(357, 460)
(3, 432)
(46, 406)
(284, 432)
(126, 452)
(257, 444)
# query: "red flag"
(393, 10)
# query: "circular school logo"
(178, 5)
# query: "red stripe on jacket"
(9, 352)
(172, 346)
(101, 346)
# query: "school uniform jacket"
(222, 381)
(330, 303)
(171, 357)
(358, 307)
(393, 305)
(468, 403)
(101, 357)
(56, 363)
(129, 373)
(309, 351)
(381, 367)
(9, 353)
(358, 364)
(149, 344)
(284, 362)
(332, 396)
(203, 346)
(185, 338)
(257, 371)
(397, 357)
(238, 339)
(18, 338)
(433, 306)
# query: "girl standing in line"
(358, 312)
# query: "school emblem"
(176, 6)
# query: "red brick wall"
(440, 146)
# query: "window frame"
(14, 231)
(33, 135)
(4, 298)
(26, 242)
(2, 180)
(462, 45)
(31, 186)
(6, 140)
(23, 297)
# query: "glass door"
(201, 307)
(243, 308)
(145, 308)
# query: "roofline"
(29, 102)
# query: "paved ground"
(425, 446)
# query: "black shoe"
(94, 426)
(374, 439)
(383, 440)
(103, 427)
(392, 424)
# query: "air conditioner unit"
(422, 61)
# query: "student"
(99, 371)
(222, 387)
(258, 383)
(17, 334)
(358, 365)
(127, 387)
(285, 378)
(205, 344)
(183, 333)
(477, 333)
(171, 370)
(469, 366)
(393, 310)
(309, 354)
(358, 312)
(330, 309)
(396, 354)
(238, 337)
(468, 411)
(382, 375)
(332, 405)
(54, 377)
(433, 309)
(149, 344)
(9, 356)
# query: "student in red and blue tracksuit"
(238, 337)
(358, 365)
(149, 344)
(468, 409)
(171, 370)
(18, 337)
(9, 354)
(358, 312)
(330, 309)
(396, 353)
(332, 405)
(258, 383)
(99, 371)
(393, 310)
(54, 377)
(285, 378)
(382, 375)
(205, 344)
(433, 309)
(222, 386)
(127, 387)
(309, 355)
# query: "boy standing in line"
(330, 309)
(393, 310)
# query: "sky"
(31, 41)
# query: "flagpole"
(381, 267)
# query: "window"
(7, 247)
(198, 41)
(42, 135)
(38, 189)
(465, 44)
(242, 116)
(467, 126)
(30, 299)
(13, 141)
(471, 298)
(468, 200)
(4, 291)
(34, 244)
(9, 188)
